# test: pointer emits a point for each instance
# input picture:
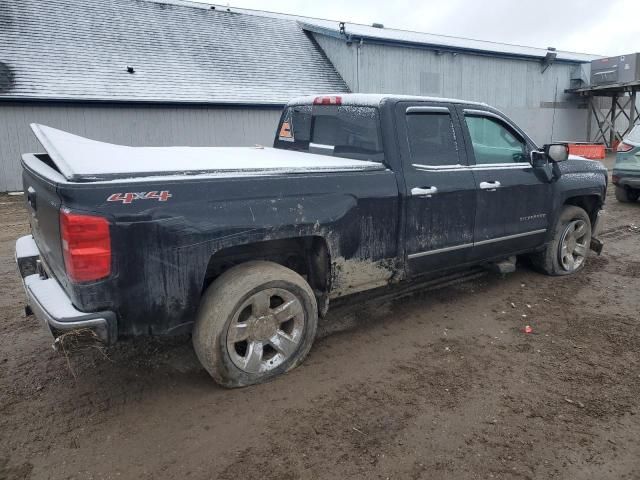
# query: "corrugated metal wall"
(135, 125)
(517, 87)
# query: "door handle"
(420, 192)
(491, 186)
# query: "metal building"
(527, 83)
(170, 72)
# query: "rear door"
(440, 188)
(513, 198)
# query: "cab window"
(432, 139)
(494, 142)
(340, 131)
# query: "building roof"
(179, 52)
(355, 32)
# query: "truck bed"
(214, 199)
(80, 159)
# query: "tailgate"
(43, 205)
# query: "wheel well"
(308, 256)
(589, 203)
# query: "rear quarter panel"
(161, 248)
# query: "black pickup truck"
(245, 247)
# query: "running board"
(407, 288)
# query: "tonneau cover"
(83, 160)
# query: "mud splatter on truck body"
(162, 249)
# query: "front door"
(513, 198)
(440, 188)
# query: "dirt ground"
(437, 384)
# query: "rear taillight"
(329, 100)
(86, 246)
(624, 147)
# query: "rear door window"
(432, 139)
(340, 131)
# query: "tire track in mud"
(554, 365)
(619, 232)
(345, 434)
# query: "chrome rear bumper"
(50, 303)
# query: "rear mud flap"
(596, 245)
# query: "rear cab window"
(346, 131)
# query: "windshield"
(340, 131)
(634, 135)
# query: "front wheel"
(567, 251)
(256, 321)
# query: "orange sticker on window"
(285, 132)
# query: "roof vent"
(131, 69)
(377, 25)
(549, 58)
(220, 8)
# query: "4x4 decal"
(129, 197)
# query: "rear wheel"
(256, 321)
(567, 252)
(626, 195)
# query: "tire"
(573, 232)
(626, 195)
(255, 322)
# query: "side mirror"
(557, 152)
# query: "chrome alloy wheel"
(574, 245)
(266, 330)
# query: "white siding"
(517, 87)
(129, 125)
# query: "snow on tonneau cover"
(80, 159)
